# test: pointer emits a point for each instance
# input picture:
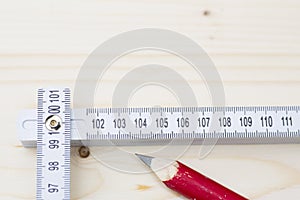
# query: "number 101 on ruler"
(53, 144)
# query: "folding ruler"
(56, 127)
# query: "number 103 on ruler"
(227, 123)
(139, 126)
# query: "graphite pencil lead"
(146, 159)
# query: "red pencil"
(188, 182)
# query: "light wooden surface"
(254, 44)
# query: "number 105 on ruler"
(232, 118)
(260, 124)
(193, 122)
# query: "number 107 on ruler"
(260, 124)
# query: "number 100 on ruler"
(53, 144)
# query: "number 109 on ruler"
(226, 123)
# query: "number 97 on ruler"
(53, 144)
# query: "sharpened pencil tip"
(146, 159)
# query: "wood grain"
(255, 46)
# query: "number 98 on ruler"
(53, 144)
(139, 126)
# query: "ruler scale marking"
(53, 144)
(272, 122)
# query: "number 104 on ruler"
(142, 126)
(56, 127)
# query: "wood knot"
(84, 152)
(206, 12)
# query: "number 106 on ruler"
(226, 123)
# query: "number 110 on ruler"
(53, 144)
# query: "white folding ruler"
(53, 144)
(56, 126)
(144, 126)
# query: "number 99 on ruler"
(53, 144)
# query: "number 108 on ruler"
(138, 126)
(260, 124)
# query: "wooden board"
(255, 46)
